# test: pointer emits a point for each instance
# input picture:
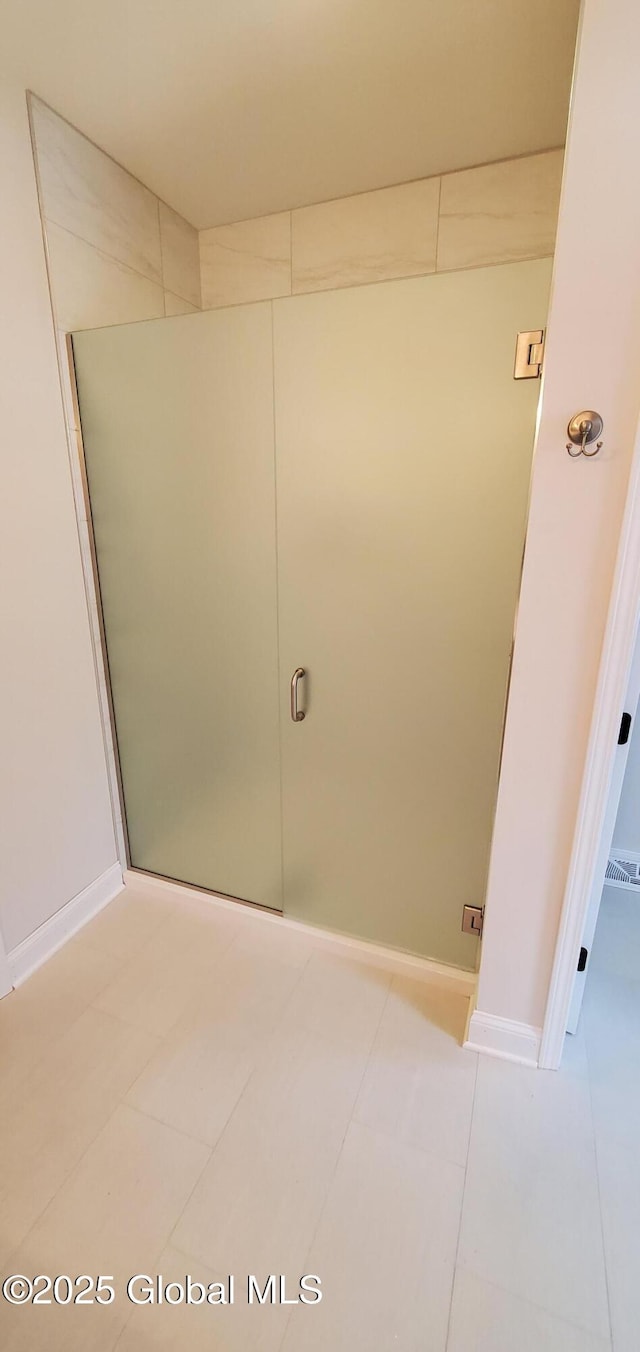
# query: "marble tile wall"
(115, 252)
(501, 213)
(497, 213)
(245, 262)
(366, 238)
(180, 256)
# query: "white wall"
(57, 834)
(593, 360)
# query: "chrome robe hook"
(583, 429)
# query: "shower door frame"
(455, 979)
(463, 976)
(91, 579)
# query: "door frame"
(615, 668)
(606, 845)
(542, 863)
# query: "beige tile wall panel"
(91, 290)
(89, 194)
(175, 305)
(180, 255)
(500, 213)
(248, 261)
(368, 238)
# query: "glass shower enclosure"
(335, 486)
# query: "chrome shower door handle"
(297, 714)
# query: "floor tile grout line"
(235, 1106)
(82, 935)
(196, 1141)
(76, 1165)
(212, 1148)
(192, 1012)
(190, 1007)
(160, 1122)
(535, 1305)
(415, 1145)
(594, 1130)
(47, 1050)
(339, 1152)
(155, 1265)
(509, 1291)
(462, 1198)
(122, 1102)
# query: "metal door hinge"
(472, 920)
(529, 354)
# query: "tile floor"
(191, 1090)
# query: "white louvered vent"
(623, 872)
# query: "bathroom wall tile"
(180, 255)
(366, 238)
(500, 213)
(85, 191)
(91, 290)
(248, 261)
(175, 305)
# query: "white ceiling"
(233, 108)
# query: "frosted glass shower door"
(177, 421)
(403, 458)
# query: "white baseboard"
(48, 938)
(378, 955)
(504, 1038)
